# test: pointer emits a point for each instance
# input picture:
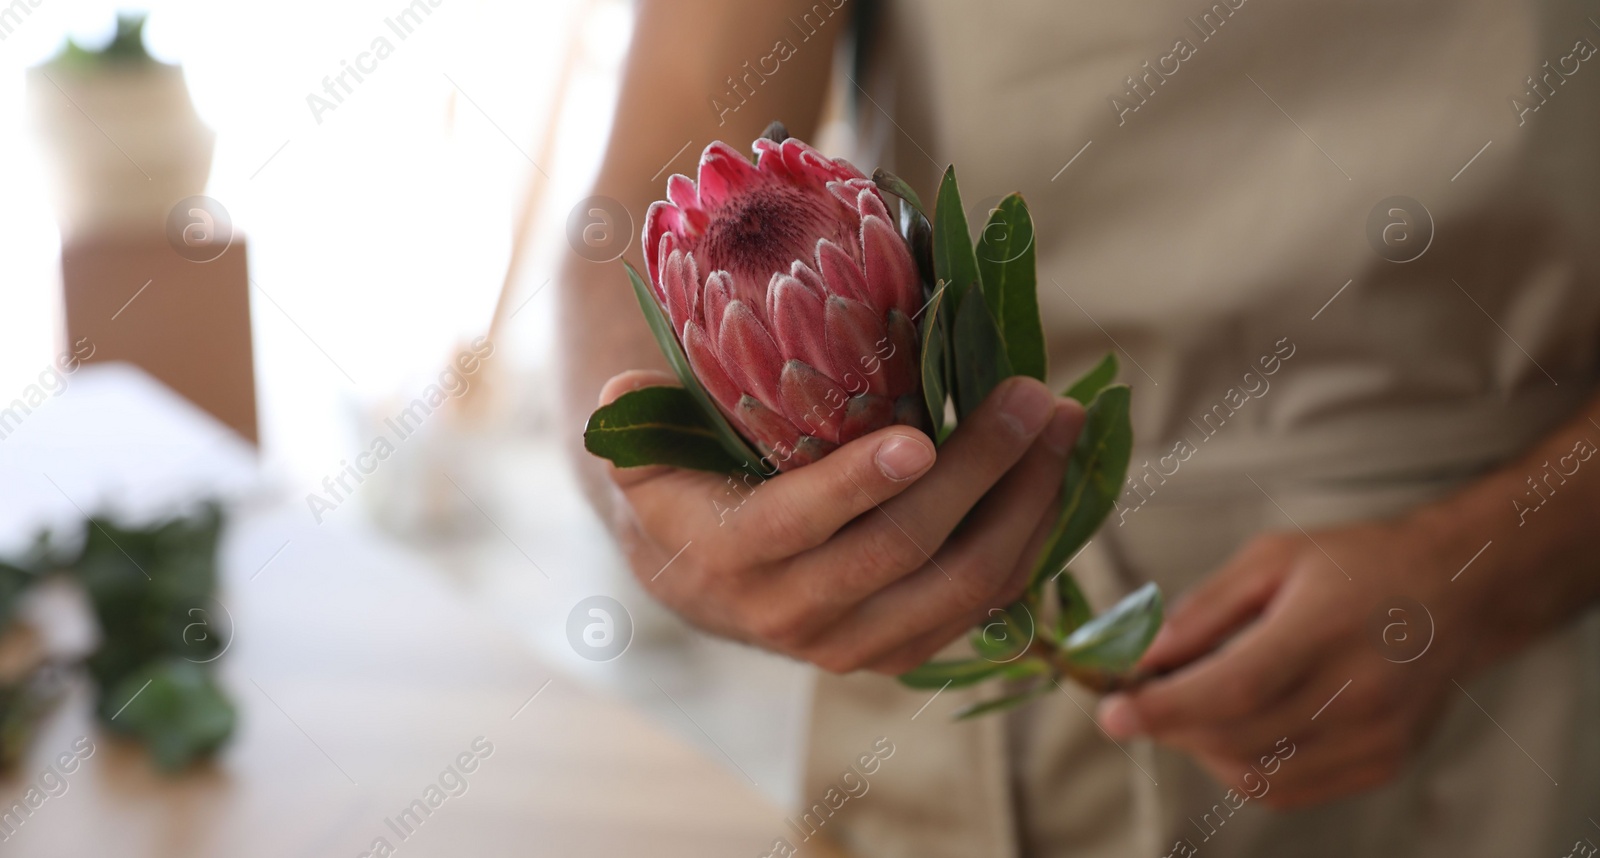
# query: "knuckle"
(782, 629)
(717, 568)
(887, 549)
(900, 663)
(785, 524)
(836, 661)
(1371, 697)
(1242, 693)
(974, 587)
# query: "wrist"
(1479, 556)
(1513, 581)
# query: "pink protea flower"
(792, 294)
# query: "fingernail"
(901, 458)
(1119, 718)
(1057, 436)
(1026, 408)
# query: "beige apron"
(1222, 221)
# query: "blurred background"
(295, 259)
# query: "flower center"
(763, 230)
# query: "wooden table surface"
(360, 680)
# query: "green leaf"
(731, 441)
(980, 356)
(1095, 473)
(935, 345)
(889, 183)
(173, 708)
(657, 426)
(1007, 634)
(13, 581)
(145, 584)
(1000, 704)
(1095, 380)
(1006, 268)
(953, 260)
(1112, 643)
(939, 674)
(1074, 608)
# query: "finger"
(799, 510)
(980, 568)
(1216, 608)
(632, 380)
(1246, 676)
(1243, 739)
(921, 649)
(1327, 767)
(910, 529)
(614, 387)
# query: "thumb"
(614, 387)
(632, 380)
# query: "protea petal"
(769, 427)
(660, 219)
(846, 169)
(679, 291)
(799, 270)
(840, 274)
(795, 316)
(869, 203)
(864, 414)
(909, 411)
(681, 190)
(723, 174)
(792, 294)
(691, 282)
(811, 400)
(892, 279)
(809, 450)
(769, 157)
(856, 341)
(901, 365)
(748, 352)
(703, 360)
(715, 298)
(848, 192)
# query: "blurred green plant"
(152, 589)
(125, 50)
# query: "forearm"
(1540, 520)
(675, 91)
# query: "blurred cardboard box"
(185, 319)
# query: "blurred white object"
(145, 113)
(113, 439)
